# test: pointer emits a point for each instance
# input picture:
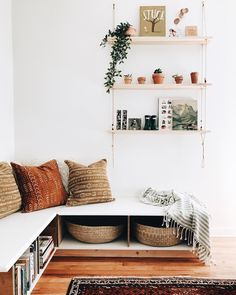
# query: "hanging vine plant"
(119, 52)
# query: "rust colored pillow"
(40, 186)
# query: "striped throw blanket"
(188, 214)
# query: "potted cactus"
(128, 78)
(158, 77)
(178, 79)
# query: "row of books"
(29, 264)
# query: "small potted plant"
(141, 80)
(158, 77)
(194, 77)
(128, 78)
(178, 79)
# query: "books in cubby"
(26, 269)
(29, 264)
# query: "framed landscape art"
(185, 114)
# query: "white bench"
(19, 230)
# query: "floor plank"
(61, 269)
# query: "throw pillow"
(10, 199)
(40, 186)
(88, 184)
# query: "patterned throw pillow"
(10, 199)
(88, 184)
(40, 186)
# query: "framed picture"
(185, 114)
(191, 31)
(153, 21)
(165, 114)
(135, 123)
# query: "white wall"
(6, 83)
(62, 110)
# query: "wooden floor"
(61, 269)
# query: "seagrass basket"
(94, 234)
(156, 236)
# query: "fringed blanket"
(188, 214)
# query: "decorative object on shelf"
(185, 114)
(118, 120)
(194, 77)
(172, 33)
(181, 14)
(191, 31)
(147, 123)
(153, 122)
(131, 31)
(141, 80)
(124, 119)
(119, 52)
(92, 232)
(153, 21)
(128, 78)
(165, 114)
(135, 123)
(83, 183)
(158, 77)
(178, 79)
(41, 186)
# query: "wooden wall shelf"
(121, 86)
(138, 40)
(162, 132)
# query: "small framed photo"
(135, 123)
(191, 31)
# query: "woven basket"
(156, 236)
(94, 234)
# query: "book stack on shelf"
(26, 269)
(46, 247)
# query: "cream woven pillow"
(88, 184)
(10, 199)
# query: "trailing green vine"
(119, 51)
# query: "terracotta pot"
(131, 31)
(179, 80)
(158, 78)
(141, 80)
(194, 77)
(127, 80)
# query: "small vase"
(153, 122)
(141, 80)
(194, 77)
(130, 32)
(147, 125)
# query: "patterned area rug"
(151, 286)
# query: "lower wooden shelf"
(119, 248)
(160, 132)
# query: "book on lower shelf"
(46, 246)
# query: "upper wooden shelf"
(122, 86)
(168, 40)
